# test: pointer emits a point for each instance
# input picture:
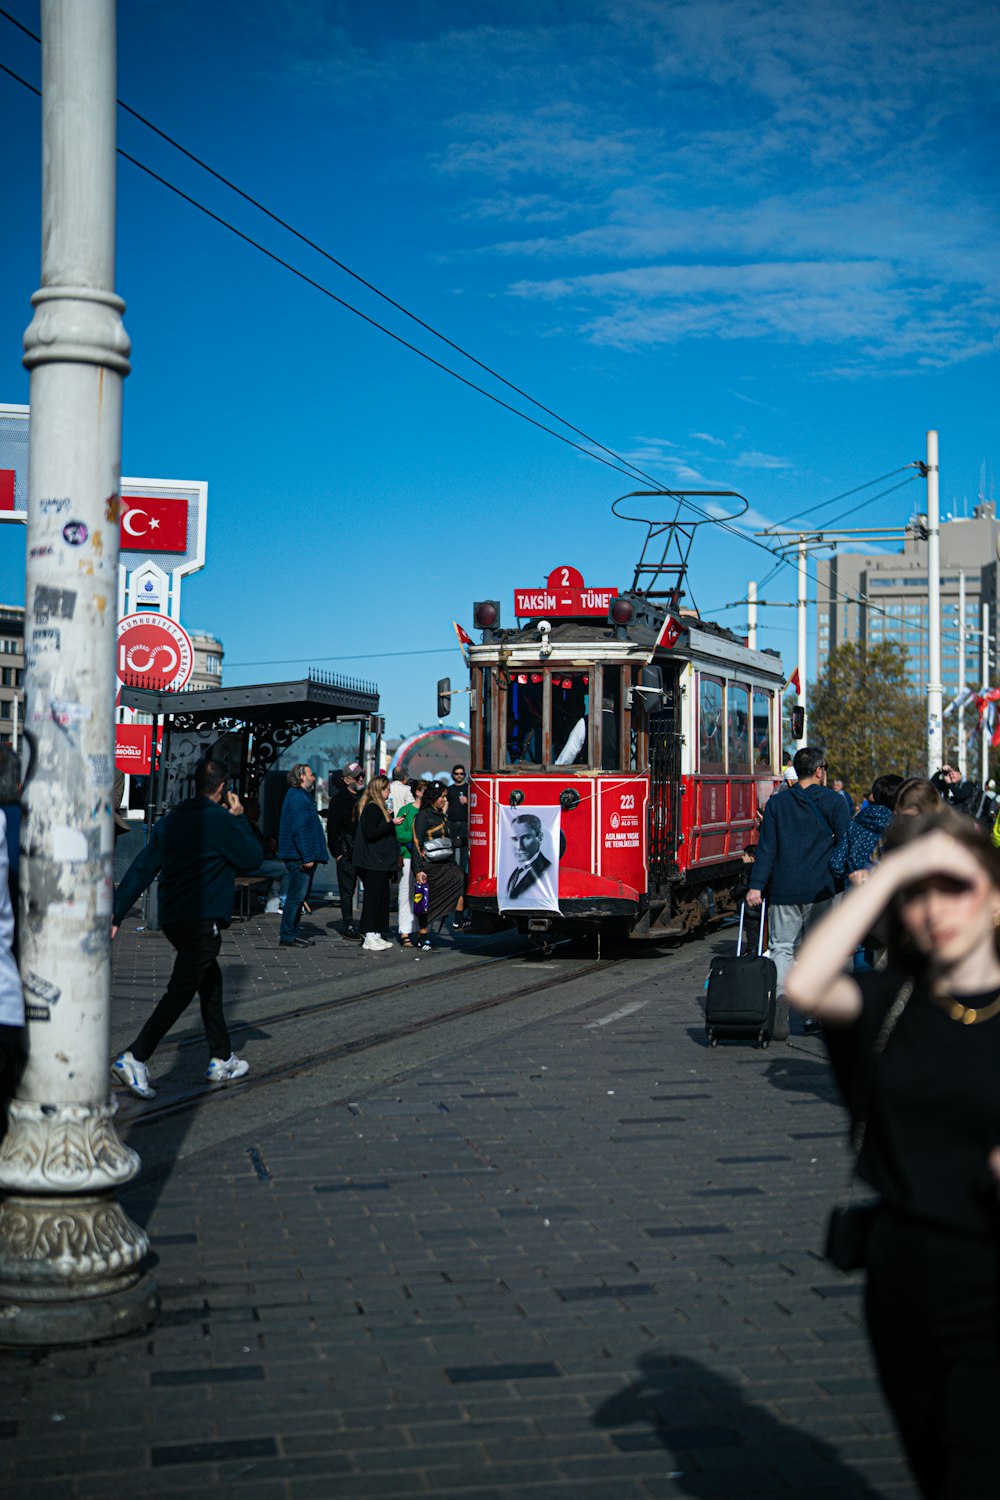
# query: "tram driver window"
(524, 718)
(710, 747)
(570, 717)
(611, 718)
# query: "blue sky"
(745, 245)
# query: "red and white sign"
(133, 748)
(156, 648)
(564, 595)
(149, 524)
(7, 478)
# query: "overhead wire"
(622, 465)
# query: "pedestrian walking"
(197, 850)
(341, 815)
(404, 839)
(458, 816)
(302, 846)
(860, 846)
(375, 857)
(798, 834)
(400, 793)
(916, 1051)
(434, 862)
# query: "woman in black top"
(375, 858)
(916, 1051)
(444, 880)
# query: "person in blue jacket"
(302, 845)
(798, 834)
(197, 850)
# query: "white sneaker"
(373, 943)
(225, 1069)
(273, 907)
(133, 1074)
(380, 940)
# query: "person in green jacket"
(404, 837)
(197, 850)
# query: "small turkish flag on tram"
(152, 524)
(670, 634)
(464, 639)
(795, 681)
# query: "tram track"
(197, 1096)
(344, 1002)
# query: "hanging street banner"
(528, 858)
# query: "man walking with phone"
(197, 850)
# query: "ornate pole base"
(70, 1257)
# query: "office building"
(882, 596)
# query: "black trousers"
(933, 1310)
(347, 880)
(12, 1060)
(196, 972)
(375, 906)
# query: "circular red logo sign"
(154, 651)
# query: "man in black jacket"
(341, 821)
(197, 850)
(798, 834)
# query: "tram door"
(664, 790)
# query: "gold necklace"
(968, 1015)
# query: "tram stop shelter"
(324, 720)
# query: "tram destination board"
(565, 596)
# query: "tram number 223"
(628, 802)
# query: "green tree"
(867, 717)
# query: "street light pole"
(984, 737)
(752, 615)
(802, 622)
(70, 1259)
(935, 747)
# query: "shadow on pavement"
(720, 1443)
(796, 1074)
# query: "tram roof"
(701, 640)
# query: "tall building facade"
(208, 654)
(883, 596)
(11, 673)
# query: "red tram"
(657, 792)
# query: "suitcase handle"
(760, 936)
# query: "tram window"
(762, 730)
(486, 716)
(710, 749)
(524, 718)
(738, 727)
(611, 718)
(570, 717)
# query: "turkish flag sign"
(153, 525)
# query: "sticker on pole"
(155, 652)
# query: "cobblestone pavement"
(578, 1258)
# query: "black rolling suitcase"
(741, 995)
